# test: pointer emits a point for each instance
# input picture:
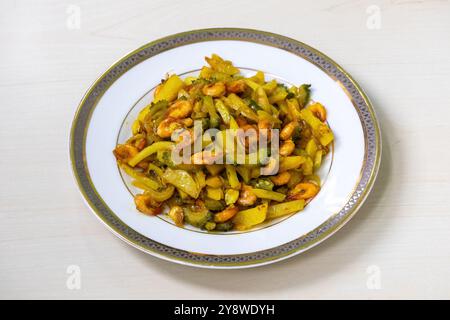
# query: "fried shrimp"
(246, 196)
(287, 148)
(319, 111)
(215, 90)
(281, 178)
(305, 190)
(145, 204)
(180, 109)
(125, 152)
(288, 130)
(168, 126)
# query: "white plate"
(105, 115)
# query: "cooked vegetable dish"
(211, 191)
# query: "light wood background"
(397, 246)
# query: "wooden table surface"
(397, 246)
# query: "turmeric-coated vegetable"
(231, 196)
(214, 193)
(233, 179)
(251, 217)
(148, 151)
(271, 195)
(281, 209)
(177, 215)
(182, 180)
(214, 182)
(169, 89)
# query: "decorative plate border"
(103, 212)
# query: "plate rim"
(214, 34)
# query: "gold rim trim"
(309, 244)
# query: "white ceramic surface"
(125, 92)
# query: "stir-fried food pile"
(223, 195)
